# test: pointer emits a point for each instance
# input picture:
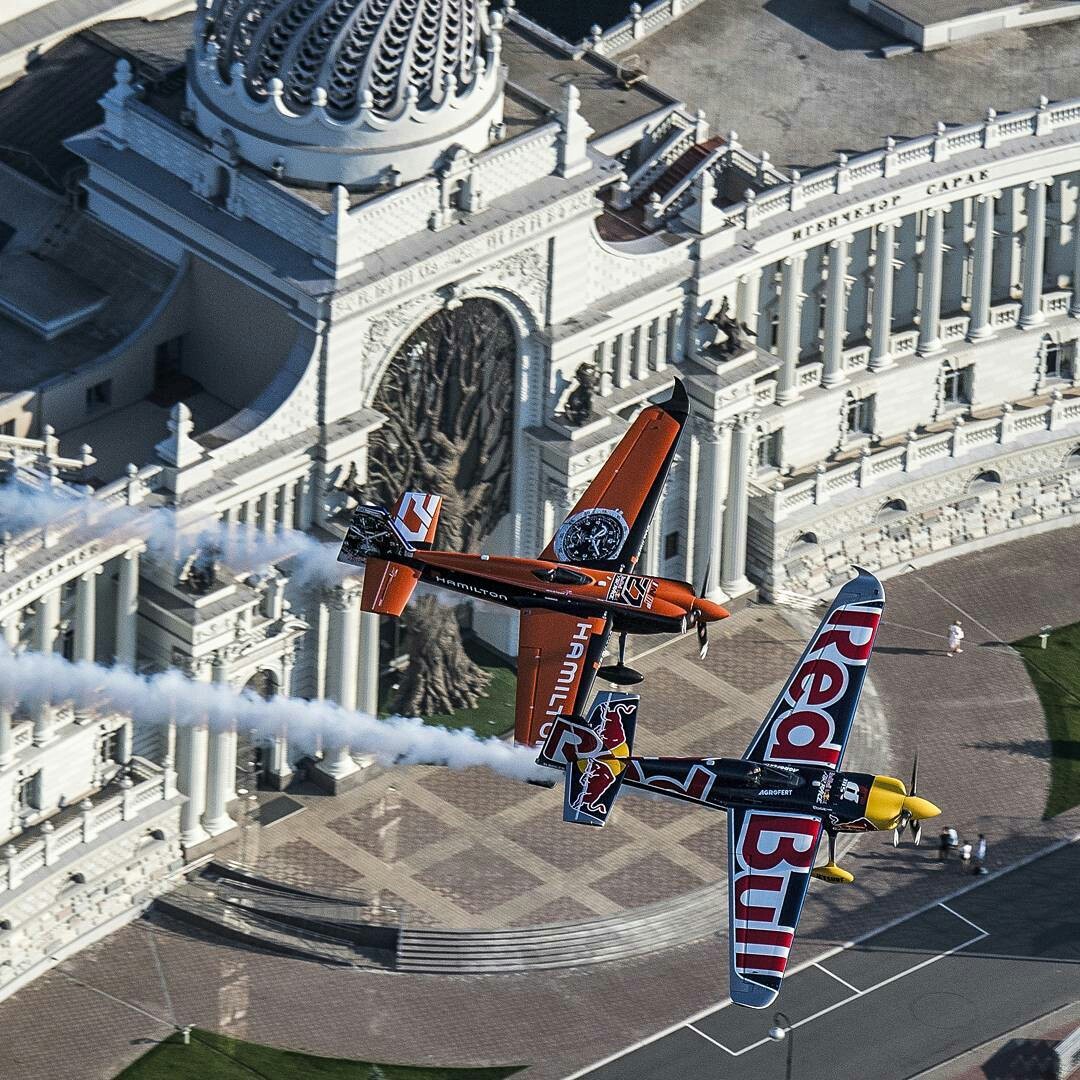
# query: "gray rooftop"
(805, 81)
(68, 276)
(543, 71)
(928, 12)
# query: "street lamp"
(783, 1029)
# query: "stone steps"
(325, 929)
(660, 926)
(338, 928)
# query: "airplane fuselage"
(637, 603)
(845, 801)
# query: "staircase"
(682, 166)
(231, 901)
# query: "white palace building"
(258, 202)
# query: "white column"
(748, 298)
(288, 506)
(733, 574)
(127, 609)
(881, 318)
(221, 767)
(930, 309)
(267, 508)
(344, 637)
(86, 614)
(191, 755)
(7, 746)
(305, 490)
(1031, 313)
(661, 342)
(639, 351)
(982, 269)
(791, 299)
(1074, 306)
(835, 315)
(46, 628)
(279, 768)
(367, 699)
(716, 459)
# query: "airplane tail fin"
(377, 537)
(594, 752)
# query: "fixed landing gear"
(830, 872)
(619, 673)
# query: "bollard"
(186, 1035)
(1044, 636)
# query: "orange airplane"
(581, 587)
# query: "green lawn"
(495, 713)
(1055, 672)
(217, 1057)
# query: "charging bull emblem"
(597, 778)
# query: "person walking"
(980, 855)
(956, 635)
(965, 857)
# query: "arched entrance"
(253, 750)
(448, 394)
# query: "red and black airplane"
(780, 796)
(580, 588)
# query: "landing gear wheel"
(619, 673)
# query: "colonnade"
(45, 630)
(930, 271)
(290, 505)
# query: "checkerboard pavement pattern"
(984, 758)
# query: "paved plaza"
(975, 721)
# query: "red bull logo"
(607, 721)
(598, 776)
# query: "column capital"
(343, 596)
(90, 574)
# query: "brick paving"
(975, 721)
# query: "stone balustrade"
(899, 157)
(16, 866)
(917, 451)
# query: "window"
(860, 416)
(7, 427)
(774, 330)
(29, 793)
(99, 395)
(768, 451)
(672, 545)
(958, 384)
(109, 748)
(1059, 360)
(67, 643)
(822, 307)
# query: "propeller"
(916, 823)
(914, 810)
(703, 626)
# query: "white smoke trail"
(35, 679)
(242, 548)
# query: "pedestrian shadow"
(908, 650)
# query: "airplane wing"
(770, 856)
(606, 528)
(809, 723)
(558, 655)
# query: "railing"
(677, 142)
(130, 490)
(17, 866)
(898, 157)
(639, 24)
(919, 450)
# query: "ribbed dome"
(355, 92)
(351, 48)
